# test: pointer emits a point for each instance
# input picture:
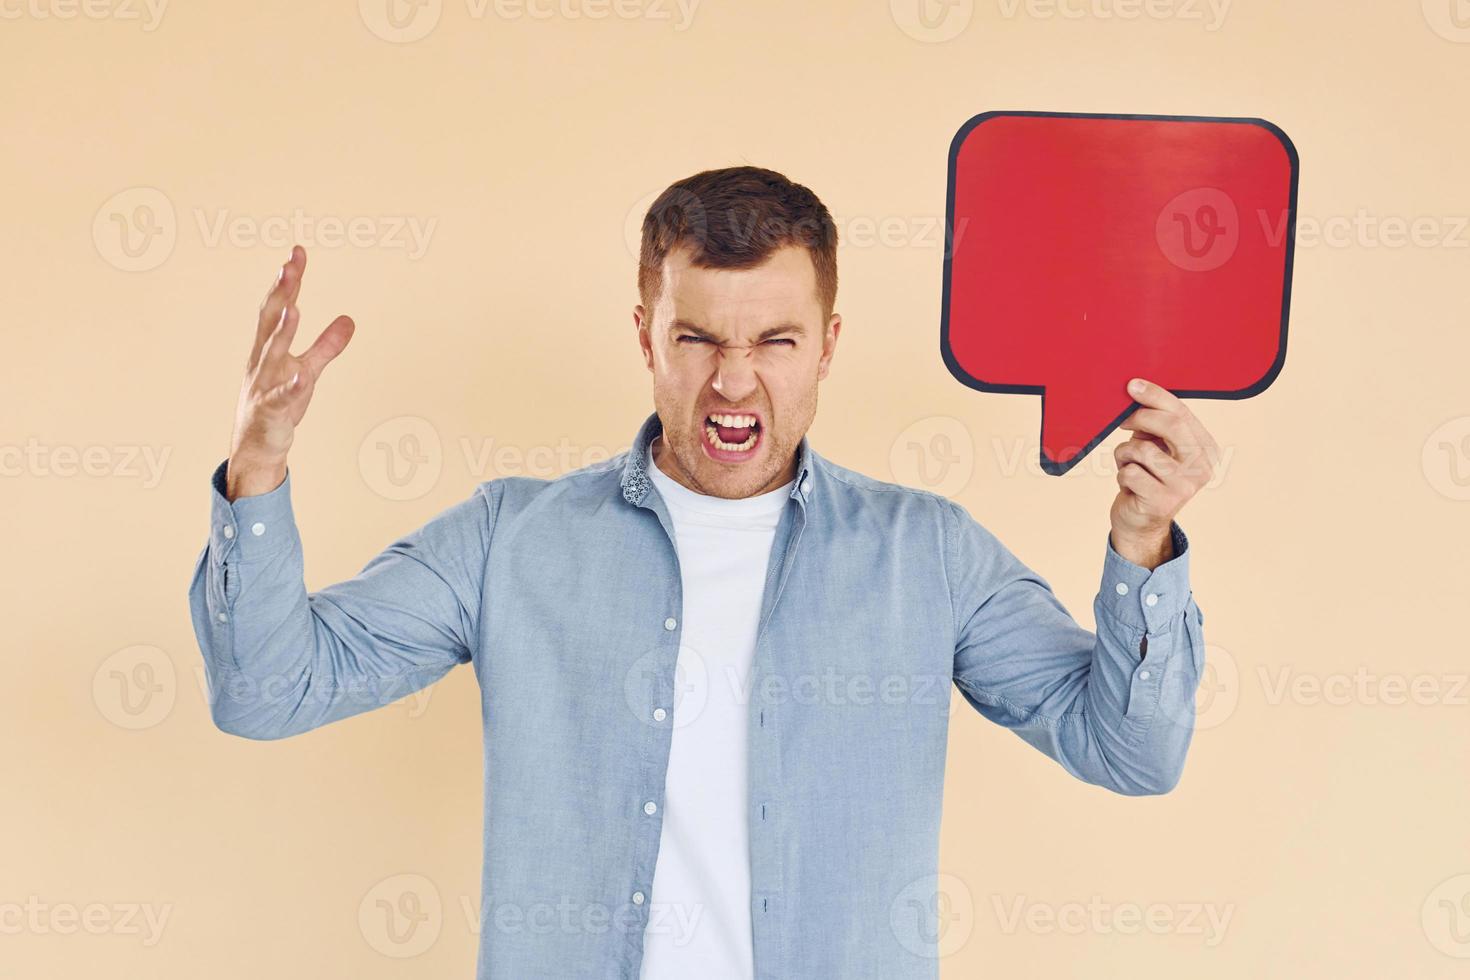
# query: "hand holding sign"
(1169, 459)
(1086, 250)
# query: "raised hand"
(278, 384)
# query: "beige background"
(1319, 830)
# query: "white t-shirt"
(699, 914)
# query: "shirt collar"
(635, 482)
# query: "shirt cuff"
(1147, 600)
(253, 527)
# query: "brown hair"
(734, 219)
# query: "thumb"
(327, 346)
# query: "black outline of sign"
(1047, 465)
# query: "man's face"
(747, 343)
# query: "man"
(715, 669)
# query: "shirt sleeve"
(1115, 708)
(280, 660)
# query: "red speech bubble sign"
(1083, 250)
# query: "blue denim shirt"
(564, 597)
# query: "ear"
(645, 339)
(829, 345)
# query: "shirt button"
(670, 623)
(1143, 675)
(806, 485)
(637, 898)
(659, 714)
(257, 529)
(1121, 588)
(228, 531)
(223, 618)
(1150, 600)
(650, 808)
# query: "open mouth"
(731, 438)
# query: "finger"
(1195, 445)
(279, 345)
(282, 292)
(1140, 436)
(298, 259)
(1203, 455)
(1184, 472)
(269, 316)
(1168, 426)
(328, 345)
(1205, 442)
(1149, 455)
(1139, 481)
(1151, 395)
(288, 279)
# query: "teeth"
(733, 421)
(714, 438)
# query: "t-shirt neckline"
(678, 495)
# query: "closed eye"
(702, 340)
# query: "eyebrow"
(684, 326)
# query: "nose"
(734, 373)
